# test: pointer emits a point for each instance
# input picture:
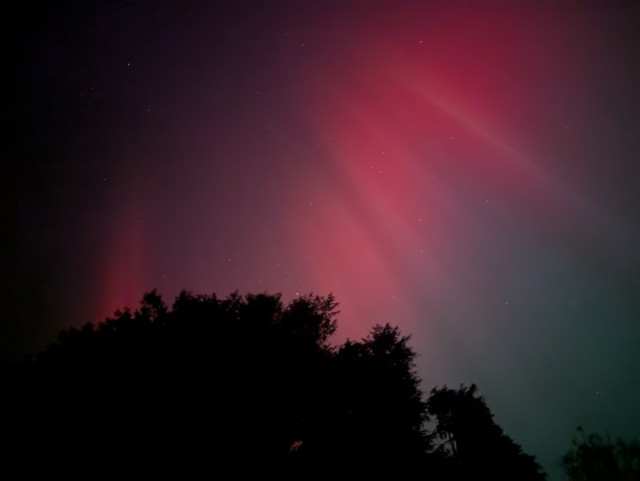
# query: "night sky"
(467, 171)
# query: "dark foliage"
(471, 444)
(243, 383)
(593, 458)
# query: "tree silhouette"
(471, 444)
(244, 383)
(244, 380)
(593, 458)
(376, 410)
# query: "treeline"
(250, 385)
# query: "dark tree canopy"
(250, 383)
(210, 381)
(592, 458)
(471, 444)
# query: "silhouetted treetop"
(311, 317)
(253, 382)
(239, 368)
(471, 443)
(593, 458)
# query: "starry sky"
(468, 171)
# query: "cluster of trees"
(250, 384)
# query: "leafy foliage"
(251, 383)
(214, 380)
(593, 458)
(471, 443)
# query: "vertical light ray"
(125, 263)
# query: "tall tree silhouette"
(471, 444)
(375, 416)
